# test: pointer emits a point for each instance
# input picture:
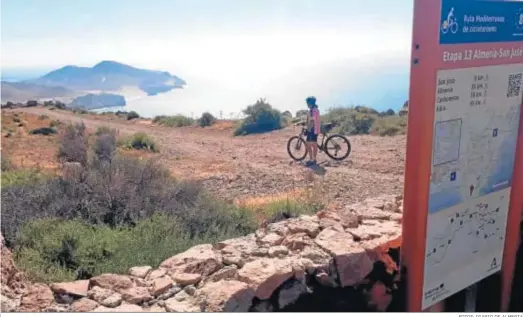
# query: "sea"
(379, 87)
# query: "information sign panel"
(462, 145)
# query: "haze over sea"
(230, 52)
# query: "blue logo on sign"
(481, 21)
(450, 23)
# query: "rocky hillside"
(97, 101)
(110, 76)
(22, 92)
(337, 260)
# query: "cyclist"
(313, 129)
(450, 18)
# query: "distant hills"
(23, 91)
(97, 101)
(106, 76)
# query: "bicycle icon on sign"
(450, 23)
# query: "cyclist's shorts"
(311, 137)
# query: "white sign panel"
(474, 143)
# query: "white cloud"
(241, 59)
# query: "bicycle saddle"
(327, 126)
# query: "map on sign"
(475, 135)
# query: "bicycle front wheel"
(297, 149)
(337, 147)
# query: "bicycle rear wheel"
(337, 147)
(297, 149)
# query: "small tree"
(73, 147)
(261, 117)
(133, 115)
(59, 105)
(207, 120)
(105, 147)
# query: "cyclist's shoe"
(310, 163)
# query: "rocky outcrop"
(14, 283)
(340, 249)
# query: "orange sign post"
(464, 167)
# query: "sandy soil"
(241, 168)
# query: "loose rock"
(266, 275)
(124, 308)
(190, 289)
(156, 274)
(228, 272)
(174, 306)
(136, 295)
(186, 278)
(84, 305)
(201, 259)
(37, 298)
(226, 296)
(112, 301)
(112, 281)
(77, 288)
(161, 285)
(277, 251)
(140, 271)
(99, 294)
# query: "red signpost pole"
(453, 56)
(513, 225)
(419, 149)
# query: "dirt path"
(236, 168)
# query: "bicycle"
(327, 145)
(449, 24)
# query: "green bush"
(365, 120)
(133, 115)
(43, 117)
(121, 193)
(54, 123)
(349, 121)
(261, 118)
(207, 120)
(139, 141)
(43, 131)
(55, 250)
(6, 163)
(74, 144)
(173, 121)
(59, 105)
(364, 109)
(104, 130)
(104, 147)
(302, 113)
(21, 177)
(389, 126)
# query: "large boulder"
(37, 298)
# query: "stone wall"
(284, 266)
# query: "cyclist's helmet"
(311, 101)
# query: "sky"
(247, 44)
